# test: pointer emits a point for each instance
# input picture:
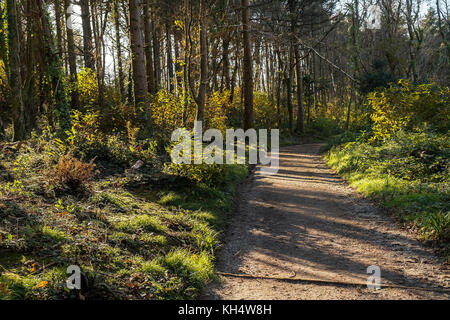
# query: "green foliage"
(377, 78)
(408, 107)
(167, 114)
(324, 127)
(86, 141)
(12, 189)
(408, 172)
(211, 175)
(164, 241)
(144, 222)
(195, 269)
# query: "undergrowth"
(407, 172)
(136, 234)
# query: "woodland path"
(306, 222)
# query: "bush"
(408, 107)
(324, 127)
(87, 87)
(266, 116)
(71, 174)
(209, 174)
(216, 110)
(167, 114)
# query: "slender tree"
(140, 84)
(15, 79)
(247, 67)
(201, 99)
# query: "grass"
(132, 238)
(407, 173)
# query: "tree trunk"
(178, 64)
(58, 17)
(15, 78)
(201, 99)
(71, 54)
(89, 61)
(157, 57)
(54, 74)
(170, 75)
(119, 50)
(138, 62)
(298, 68)
(248, 68)
(148, 47)
(226, 64)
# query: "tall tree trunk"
(15, 78)
(288, 83)
(88, 50)
(121, 75)
(187, 50)
(58, 17)
(71, 54)
(148, 47)
(170, 75)
(157, 57)
(248, 67)
(178, 64)
(201, 99)
(138, 62)
(52, 65)
(300, 113)
(226, 64)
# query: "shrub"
(324, 127)
(87, 87)
(167, 114)
(72, 174)
(209, 174)
(265, 111)
(216, 110)
(407, 107)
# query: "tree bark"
(157, 57)
(148, 47)
(89, 61)
(72, 57)
(248, 67)
(121, 74)
(201, 99)
(15, 78)
(138, 62)
(170, 74)
(300, 113)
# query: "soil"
(306, 222)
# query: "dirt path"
(306, 222)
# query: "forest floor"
(306, 222)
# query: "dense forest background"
(159, 65)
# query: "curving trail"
(306, 222)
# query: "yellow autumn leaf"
(41, 284)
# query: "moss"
(55, 235)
